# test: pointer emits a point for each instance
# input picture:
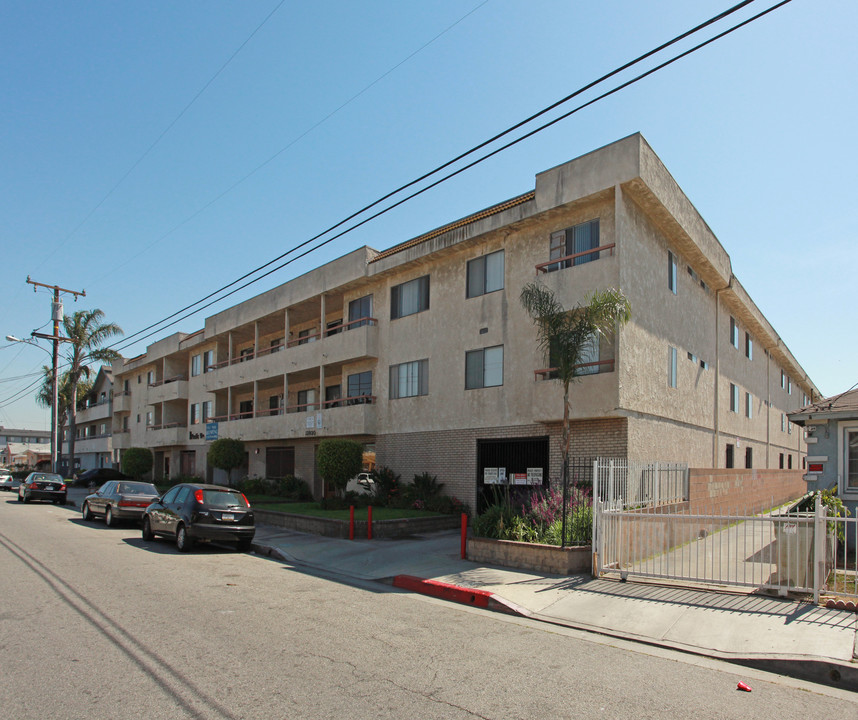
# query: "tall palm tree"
(88, 333)
(566, 336)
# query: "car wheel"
(244, 544)
(108, 517)
(20, 497)
(26, 498)
(85, 513)
(147, 530)
(183, 541)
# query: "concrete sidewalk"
(777, 634)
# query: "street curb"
(455, 593)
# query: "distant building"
(24, 447)
(424, 354)
(93, 427)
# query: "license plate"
(229, 517)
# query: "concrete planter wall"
(531, 556)
(340, 528)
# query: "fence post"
(351, 522)
(820, 540)
(656, 495)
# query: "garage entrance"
(515, 455)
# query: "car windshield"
(45, 477)
(132, 488)
(223, 499)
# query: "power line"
(456, 172)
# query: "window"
(409, 379)
(195, 413)
(149, 419)
(574, 240)
(484, 368)
(749, 458)
(671, 367)
(409, 298)
(333, 395)
(692, 357)
(783, 422)
(704, 364)
(245, 408)
(749, 410)
(245, 354)
(749, 346)
(781, 462)
(789, 462)
(208, 361)
(196, 365)
(360, 312)
(207, 410)
(359, 388)
(734, 398)
(126, 387)
(307, 400)
(789, 386)
(783, 380)
(850, 441)
(125, 423)
(333, 327)
(275, 403)
(150, 377)
(728, 460)
(304, 336)
(276, 345)
(140, 379)
(734, 333)
(485, 274)
(671, 272)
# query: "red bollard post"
(369, 522)
(351, 522)
(464, 535)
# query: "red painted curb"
(445, 591)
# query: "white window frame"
(843, 462)
(488, 378)
(196, 365)
(409, 379)
(734, 398)
(480, 268)
(749, 408)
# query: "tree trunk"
(72, 412)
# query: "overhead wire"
(163, 324)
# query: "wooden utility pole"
(56, 316)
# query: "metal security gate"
(515, 455)
(779, 551)
(632, 484)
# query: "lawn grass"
(313, 509)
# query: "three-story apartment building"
(93, 446)
(424, 353)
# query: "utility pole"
(56, 316)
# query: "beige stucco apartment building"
(424, 353)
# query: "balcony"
(575, 277)
(591, 395)
(349, 416)
(175, 388)
(121, 439)
(96, 411)
(168, 434)
(122, 402)
(93, 444)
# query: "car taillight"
(62, 487)
(245, 500)
(198, 496)
(33, 486)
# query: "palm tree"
(566, 336)
(44, 398)
(88, 334)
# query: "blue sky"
(153, 152)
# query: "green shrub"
(494, 521)
(137, 461)
(339, 461)
(226, 454)
(386, 490)
(293, 489)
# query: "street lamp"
(54, 385)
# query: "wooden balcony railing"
(599, 365)
(568, 260)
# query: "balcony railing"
(335, 330)
(166, 426)
(599, 366)
(291, 409)
(569, 260)
(175, 378)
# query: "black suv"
(97, 476)
(193, 511)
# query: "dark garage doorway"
(516, 455)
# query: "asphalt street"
(97, 623)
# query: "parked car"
(119, 500)
(362, 483)
(43, 486)
(97, 476)
(6, 482)
(195, 511)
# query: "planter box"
(340, 528)
(531, 556)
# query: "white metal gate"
(630, 484)
(780, 551)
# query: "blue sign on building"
(211, 431)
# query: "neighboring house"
(93, 426)
(831, 427)
(423, 352)
(31, 437)
(25, 454)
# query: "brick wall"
(452, 454)
(722, 491)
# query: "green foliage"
(834, 508)
(386, 488)
(286, 489)
(339, 461)
(137, 461)
(226, 454)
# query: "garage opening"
(514, 457)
